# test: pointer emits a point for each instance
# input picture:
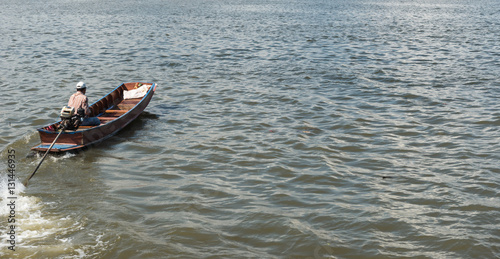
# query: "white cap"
(81, 86)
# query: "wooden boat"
(112, 110)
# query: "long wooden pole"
(43, 158)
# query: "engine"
(69, 119)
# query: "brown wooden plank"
(111, 114)
(125, 106)
(117, 111)
(63, 139)
(131, 101)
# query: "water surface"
(279, 129)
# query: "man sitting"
(79, 100)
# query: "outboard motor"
(71, 120)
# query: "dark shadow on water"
(147, 115)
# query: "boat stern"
(69, 140)
(56, 148)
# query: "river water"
(279, 129)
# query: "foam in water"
(65, 156)
(35, 232)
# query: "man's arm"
(85, 106)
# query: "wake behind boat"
(114, 111)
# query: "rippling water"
(280, 129)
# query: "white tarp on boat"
(136, 93)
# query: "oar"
(43, 158)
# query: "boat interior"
(111, 106)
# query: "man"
(79, 100)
